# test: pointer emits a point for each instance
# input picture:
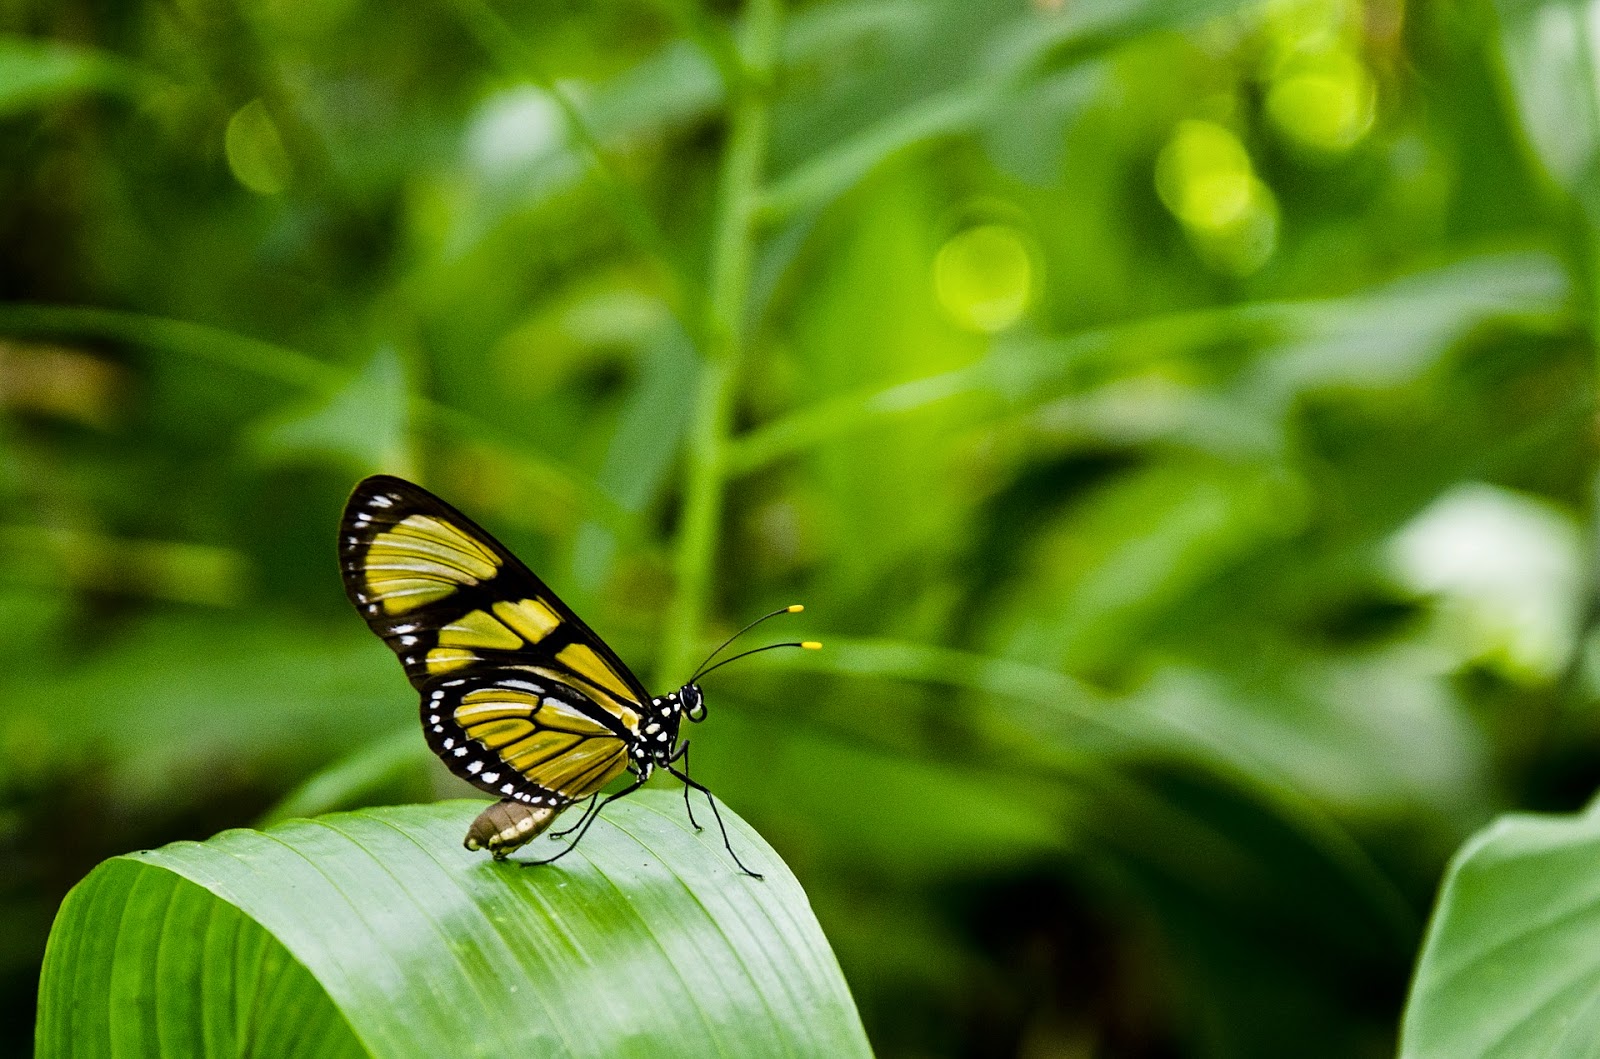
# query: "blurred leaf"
(390, 938)
(645, 446)
(361, 426)
(1375, 736)
(1507, 571)
(1239, 892)
(1387, 335)
(1094, 584)
(253, 697)
(250, 356)
(37, 73)
(1548, 47)
(384, 772)
(1513, 953)
(907, 816)
(1392, 334)
(949, 71)
(298, 372)
(1093, 741)
(524, 155)
(189, 573)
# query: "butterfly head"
(694, 703)
(687, 702)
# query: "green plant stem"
(732, 250)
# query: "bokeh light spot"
(1326, 104)
(984, 277)
(1204, 175)
(255, 151)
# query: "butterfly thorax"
(658, 734)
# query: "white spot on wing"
(475, 767)
(490, 777)
(448, 743)
(382, 501)
(507, 789)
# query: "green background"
(1177, 418)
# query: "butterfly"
(519, 697)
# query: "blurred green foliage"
(1177, 417)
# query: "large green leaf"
(1511, 966)
(375, 932)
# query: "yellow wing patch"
(491, 704)
(581, 659)
(421, 560)
(444, 659)
(553, 744)
(585, 770)
(531, 618)
(478, 629)
(538, 748)
(622, 708)
(497, 734)
(488, 705)
(561, 717)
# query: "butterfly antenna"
(809, 645)
(698, 673)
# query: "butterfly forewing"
(519, 696)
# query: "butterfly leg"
(687, 782)
(683, 752)
(565, 831)
(590, 815)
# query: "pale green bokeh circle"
(1204, 176)
(984, 277)
(255, 151)
(1326, 105)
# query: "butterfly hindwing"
(469, 620)
(515, 735)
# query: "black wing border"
(420, 501)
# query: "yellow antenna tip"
(812, 645)
(795, 608)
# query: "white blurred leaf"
(1508, 572)
(1551, 65)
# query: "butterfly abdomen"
(507, 824)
